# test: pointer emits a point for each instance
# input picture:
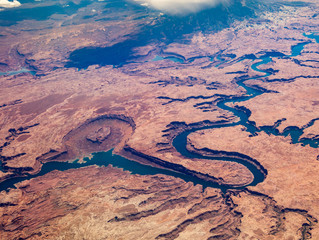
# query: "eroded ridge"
(180, 140)
(76, 144)
(278, 221)
(19, 134)
(123, 199)
(213, 82)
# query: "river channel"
(179, 142)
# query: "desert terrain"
(231, 116)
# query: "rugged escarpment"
(106, 202)
(175, 128)
(98, 134)
(20, 134)
(172, 166)
(224, 154)
(114, 204)
(247, 92)
(277, 222)
(286, 187)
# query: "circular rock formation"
(99, 135)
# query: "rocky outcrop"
(130, 198)
(173, 166)
(18, 101)
(235, 155)
(99, 135)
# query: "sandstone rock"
(99, 135)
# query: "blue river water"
(314, 36)
(167, 29)
(104, 159)
(179, 142)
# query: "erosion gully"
(180, 141)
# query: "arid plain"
(248, 93)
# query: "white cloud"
(9, 4)
(180, 6)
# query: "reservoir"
(180, 141)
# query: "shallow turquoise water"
(22, 70)
(171, 58)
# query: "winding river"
(179, 142)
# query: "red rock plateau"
(243, 92)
